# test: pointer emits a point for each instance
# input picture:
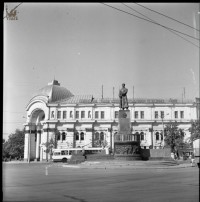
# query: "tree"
(173, 136)
(14, 146)
(195, 131)
(49, 146)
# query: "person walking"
(192, 159)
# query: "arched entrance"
(33, 135)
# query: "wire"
(165, 28)
(168, 17)
(150, 21)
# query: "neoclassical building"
(83, 121)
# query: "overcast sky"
(85, 46)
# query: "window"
(82, 114)
(101, 136)
(182, 114)
(58, 136)
(136, 114)
(142, 114)
(77, 136)
(142, 136)
(63, 136)
(82, 136)
(52, 114)
(96, 115)
(71, 115)
(102, 114)
(162, 114)
(156, 114)
(157, 135)
(89, 114)
(176, 114)
(96, 136)
(64, 114)
(77, 114)
(59, 115)
(116, 114)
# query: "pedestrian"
(192, 159)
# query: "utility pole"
(102, 91)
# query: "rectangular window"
(71, 115)
(96, 115)
(176, 114)
(64, 114)
(156, 114)
(136, 114)
(89, 114)
(162, 114)
(182, 114)
(82, 114)
(59, 115)
(77, 114)
(116, 114)
(142, 114)
(142, 137)
(52, 114)
(102, 115)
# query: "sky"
(87, 45)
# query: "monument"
(125, 146)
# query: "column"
(26, 146)
(38, 144)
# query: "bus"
(63, 155)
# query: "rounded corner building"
(83, 121)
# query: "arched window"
(137, 137)
(58, 136)
(157, 136)
(77, 136)
(161, 134)
(96, 136)
(82, 136)
(101, 136)
(63, 136)
(142, 136)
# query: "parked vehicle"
(64, 155)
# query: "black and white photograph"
(101, 101)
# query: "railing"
(138, 101)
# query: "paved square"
(53, 182)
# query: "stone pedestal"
(125, 148)
(124, 123)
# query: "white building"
(85, 121)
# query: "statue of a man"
(123, 97)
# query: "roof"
(54, 92)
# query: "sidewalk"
(128, 164)
(113, 164)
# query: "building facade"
(83, 121)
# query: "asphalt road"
(53, 182)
